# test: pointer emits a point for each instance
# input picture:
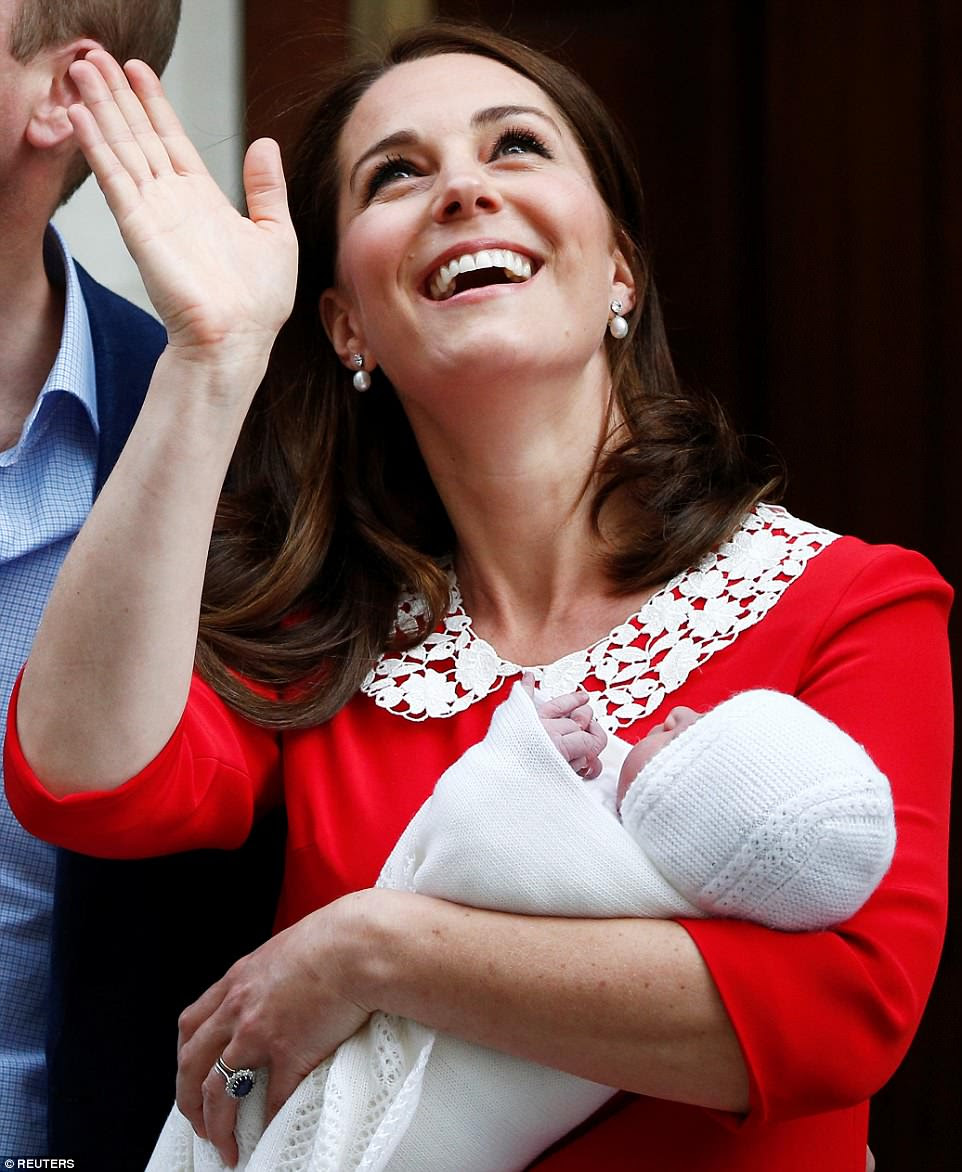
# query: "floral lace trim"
(632, 668)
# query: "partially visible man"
(96, 959)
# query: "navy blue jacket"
(136, 942)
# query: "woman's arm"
(108, 677)
(628, 1003)
(215, 776)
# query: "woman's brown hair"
(331, 513)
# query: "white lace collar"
(634, 666)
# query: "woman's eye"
(520, 142)
(393, 167)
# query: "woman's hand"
(283, 1007)
(215, 278)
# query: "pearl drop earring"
(617, 327)
(362, 380)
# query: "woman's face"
(457, 158)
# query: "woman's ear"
(623, 281)
(340, 324)
(55, 92)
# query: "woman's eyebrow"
(403, 138)
(397, 138)
(502, 113)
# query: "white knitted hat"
(764, 809)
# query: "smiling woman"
(686, 481)
(524, 487)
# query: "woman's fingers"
(163, 119)
(119, 189)
(220, 1112)
(134, 118)
(202, 1097)
(190, 1092)
(198, 1048)
(264, 185)
(131, 110)
(198, 1012)
(91, 81)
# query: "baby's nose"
(679, 718)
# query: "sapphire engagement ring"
(237, 1083)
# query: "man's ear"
(54, 93)
(340, 323)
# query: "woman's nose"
(464, 193)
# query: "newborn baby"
(759, 809)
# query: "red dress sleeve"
(205, 788)
(824, 1018)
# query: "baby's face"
(653, 741)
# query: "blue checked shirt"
(46, 489)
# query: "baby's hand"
(571, 725)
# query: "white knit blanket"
(509, 827)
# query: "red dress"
(858, 632)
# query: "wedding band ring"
(237, 1083)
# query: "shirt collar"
(73, 371)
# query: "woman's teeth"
(516, 268)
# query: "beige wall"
(377, 19)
